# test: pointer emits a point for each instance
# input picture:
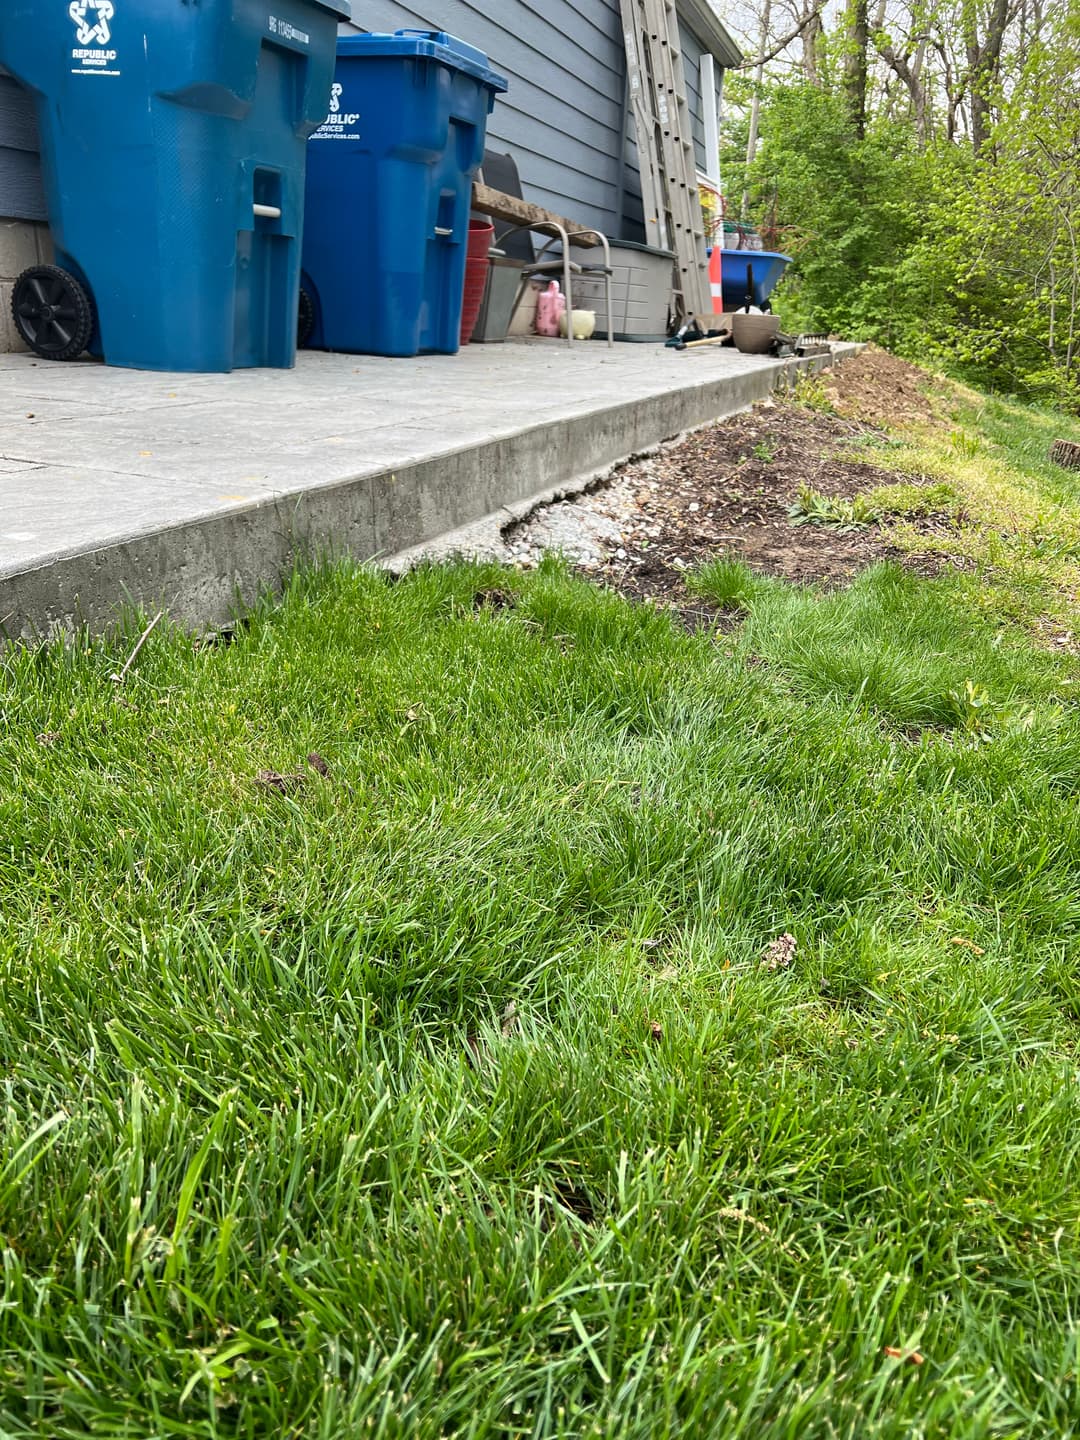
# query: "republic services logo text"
(93, 32)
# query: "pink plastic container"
(550, 308)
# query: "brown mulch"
(728, 489)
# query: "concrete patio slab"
(191, 492)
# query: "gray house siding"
(693, 50)
(23, 239)
(564, 116)
(21, 195)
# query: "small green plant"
(832, 511)
(964, 444)
(981, 717)
(725, 581)
(872, 440)
(810, 391)
(764, 452)
(974, 709)
(1052, 546)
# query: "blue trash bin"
(173, 141)
(389, 188)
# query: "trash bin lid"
(339, 7)
(434, 45)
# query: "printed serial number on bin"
(286, 30)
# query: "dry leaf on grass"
(656, 1030)
(895, 1353)
(279, 784)
(779, 953)
(494, 600)
(509, 1019)
(966, 944)
(317, 763)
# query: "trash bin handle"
(267, 212)
(443, 230)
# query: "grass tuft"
(725, 581)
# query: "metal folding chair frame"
(568, 267)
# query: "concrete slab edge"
(483, 538)
(206, 571)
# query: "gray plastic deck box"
(640, 290)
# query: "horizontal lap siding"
(21, 195)
(562, 116)
(692, 52)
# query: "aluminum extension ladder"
(673, 216)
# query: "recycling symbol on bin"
(92, 31)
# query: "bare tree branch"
(768, 55)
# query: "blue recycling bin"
(173, 142)
(389, 187)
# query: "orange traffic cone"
(715, 280)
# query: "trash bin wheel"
(306, 319)
(52, 312)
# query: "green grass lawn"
(446, 1093)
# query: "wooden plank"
(522, 212)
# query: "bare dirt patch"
(729, 490)
(880, 389)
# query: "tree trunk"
(910, 75)
(855, 38)
(813, 37)
(1066, 453)
(984, 65)
(953, 87)
(755, 109)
